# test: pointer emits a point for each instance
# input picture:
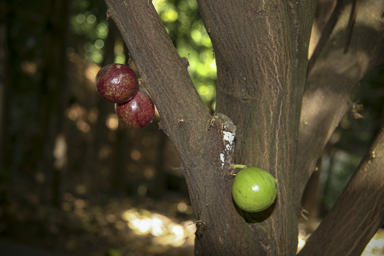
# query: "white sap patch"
(222, 158)
(228, 138)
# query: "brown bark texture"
(358, 212)
(325, 19)
(263, 75)
(261, 53)
(332, 80)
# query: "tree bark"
(332, 80)
(261, 54)
(358, 212)
(185, 119)
(270, 73)
(327, 12)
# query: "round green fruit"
(254, 189)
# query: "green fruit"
(254, 189)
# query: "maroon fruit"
(138, 112)
(117, 83)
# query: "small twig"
(351, 23)
(198, 223)
(355, 109)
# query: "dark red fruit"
(138, 112)
(117, 83)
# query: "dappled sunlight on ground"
(116, 227)
(164, 230)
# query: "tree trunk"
(261, 60)
(261, 53)
(260, 83)
(358, 212)
(332, 80)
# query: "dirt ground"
(114, 227)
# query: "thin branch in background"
(325, 35)
(357, 212)
(351, 23)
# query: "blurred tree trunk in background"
(324, 11)
(121, 148)
(6, 75)
(3, 78)
(310, 200)
(121, 145)
(160, 181)
(98, 137)
(53, 100)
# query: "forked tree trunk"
(261, 53)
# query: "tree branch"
(163, 72)
(325, 34)
(332, 81)
(358, 212)
(198, 137)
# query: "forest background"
(74, 179)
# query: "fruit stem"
(239, 166)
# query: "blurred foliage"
(182, 21)
(186, 29)
(88, 22)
